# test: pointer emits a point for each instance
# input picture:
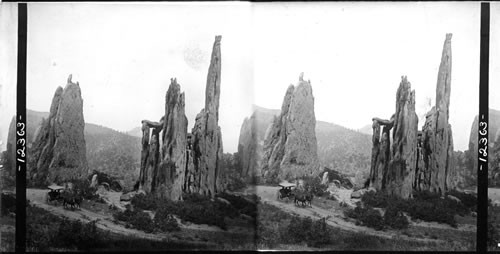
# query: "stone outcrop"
(290, 146)
(393, 165)
(437, 146)
(174, 161)
(59, 150)
(399, 179)
(251, 140)
(416, 160)
(206, 134)
(163, 155)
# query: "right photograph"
(364, 129)
(494, 132)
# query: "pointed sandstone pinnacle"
(59, 152)
(207, 145)
(437, 148)
(290, 147)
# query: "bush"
(165, 221)
(243, 205)
(366, 216)
(87, 192)
(137, 219)
(468, 200)
(8, 203)
(313, 184)
(313, 233)
(146, 202)
(395, 218)
(375, 199)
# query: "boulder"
(324, 180)
(93, 182)
(454, 198)
(128, 196)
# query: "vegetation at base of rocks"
(425, 205)
(8, 204)
(313, 184)
(313, 233)
(366, 216)
(197, 208)
(493, 226)
(82, 186)
(136, 218)
(45, 231)
(231, 165)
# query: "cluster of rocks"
(174, 161)
(290, 146)
(416, 160)
(59, 151)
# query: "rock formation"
(417, 160)
(174, 161)
(251, 140)
(393, 167)
(207, 137)
(59, 150)
(163, 164)
(290, 146)
(437, 146)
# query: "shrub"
(313, 184)
(8, 203)
(395, 218)
(137, 219)
(375, 199)
(146, 202)
(313, 233)
(243, 205)
(87, 192)
(366, 216)
(165, 221)
(468, 200)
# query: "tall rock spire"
(437, 145)
(59, 149)
(290, 147)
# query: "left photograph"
(8, 76)
(134, 113)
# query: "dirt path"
(336, 218)
(37, 198)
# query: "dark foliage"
(137, 219)
(242, 204)
(146, 202)
(82, 186)
(468, 200)
(45, 231)
(366, 216)
(394, 217)
(164, 221)
(313, 184)
(8, 203)
(313, 233)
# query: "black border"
(482, 170)
(22, 26)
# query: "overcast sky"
(124, 55)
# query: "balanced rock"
(59, 152)
(290, 146)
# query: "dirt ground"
(211, 236)
(322, 208)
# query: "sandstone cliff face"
(290, 146)
(437, 148)
(59, 152)
(174, 161)
(207, 137)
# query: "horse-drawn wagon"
(286, 190)
(54, 194)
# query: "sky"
(354, 54)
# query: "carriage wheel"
(278, 197)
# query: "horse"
(309, 198)
(299, 197)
